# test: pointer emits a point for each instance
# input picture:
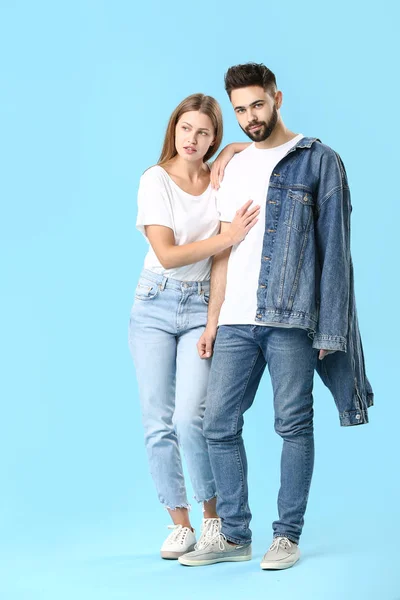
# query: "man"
(285, 299)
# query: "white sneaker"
(180, 541)
(209, 529)
(282, 554)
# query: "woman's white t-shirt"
(192, 218)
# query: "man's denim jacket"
(306, 274)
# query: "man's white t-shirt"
(246, 178)
(192, 218)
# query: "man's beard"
(266, 128)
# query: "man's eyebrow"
(251, 104)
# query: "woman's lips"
(190, 150)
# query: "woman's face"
(194, 134)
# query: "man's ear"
(278, 99)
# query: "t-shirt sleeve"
(225, 201)
(154, 205)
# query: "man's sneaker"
(215, 550)
(209, 529)
(282, 554)
(179, 541)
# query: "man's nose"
(250, 115)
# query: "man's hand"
(323, 353)
(206, 342)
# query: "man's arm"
(333, 244)
(217, 295)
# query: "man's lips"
(255, 127)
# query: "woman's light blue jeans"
(167, 319)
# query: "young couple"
(275, 239)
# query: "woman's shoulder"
(154, 173)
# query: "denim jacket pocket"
(299, 210)
(146, 290)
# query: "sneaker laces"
(178, 534)
(280, 542)
(209, 530)
(211, 539)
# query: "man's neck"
(280, 135)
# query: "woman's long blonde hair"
(204, 104)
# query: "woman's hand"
(244, 220)
(219, 164)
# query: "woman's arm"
(171, 256)
(223, 158)
(217, 296)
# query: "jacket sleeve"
(332, 231)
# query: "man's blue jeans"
(241, 353)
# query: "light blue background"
(86, 91)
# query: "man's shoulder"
(238, 163)
(319, 148)
(327, 164)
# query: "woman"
(178, 216)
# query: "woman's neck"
(189, 170)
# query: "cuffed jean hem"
(292, 538)
(206, 499)
(235, 540)
(183, 505)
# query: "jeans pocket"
(146, 290)
(205, 296)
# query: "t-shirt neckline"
(293, 141)
(180, 189)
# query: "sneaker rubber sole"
(187, 562)
(277, 566)
(168, 555)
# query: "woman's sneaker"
(180, 541)
(282, 554)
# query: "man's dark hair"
(241, 76)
